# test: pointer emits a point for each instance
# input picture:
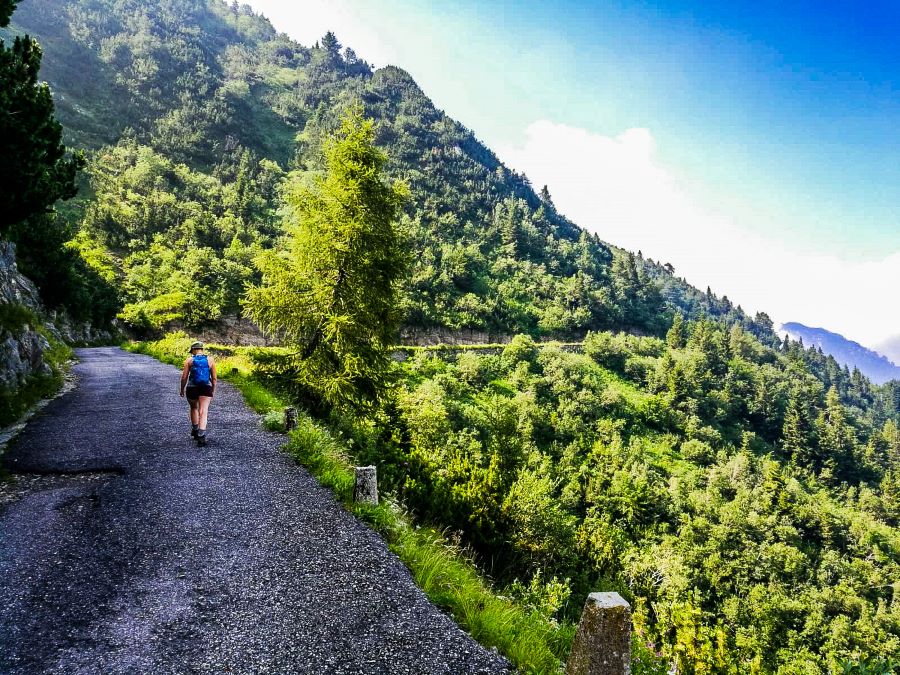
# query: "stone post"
(602, 645)
(366, 489)
(290, 419)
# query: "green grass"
(443, 571)
(14, 317)
(15, 402)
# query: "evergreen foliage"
(7, 7)
(333, 293)
(742, 490)
(743, 509)
(179, 243)
(35, 172)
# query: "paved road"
(154, 556)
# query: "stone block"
(602, 645)
(366, 489)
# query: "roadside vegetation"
(555, 475)
(740, 490)
(443, 568)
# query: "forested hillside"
(748, 515)
(847, 352)
(742, 491)
(199, 112)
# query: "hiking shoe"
(194, 433)
(201, 440)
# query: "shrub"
(520, 348)
(157, 312)
(273, 421)
(697, 451)
(14, 317)
(607, 350)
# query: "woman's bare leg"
(204, 411)
(195, 411)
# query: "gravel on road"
(130, 550)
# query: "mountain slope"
(491, 254)
(847, 352)
(743, 489)
(200, 114)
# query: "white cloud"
(616, 186)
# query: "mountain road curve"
(134, 551)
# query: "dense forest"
(199, 114)
(716, 483)
(741, 490)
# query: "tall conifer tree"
(35, 170)
(334, 293)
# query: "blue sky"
(743, 142)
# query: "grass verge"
(446, 575)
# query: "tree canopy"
(7, 7)
(333, 292)
(35, 170)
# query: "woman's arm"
(212, 375)
(185, 372)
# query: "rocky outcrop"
(79, 334)
(21, 356)
(15, 289)
(22, 346)
(232, 330)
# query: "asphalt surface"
(130, 550)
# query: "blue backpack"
(199, 370)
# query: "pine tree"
(545, 196)
(331, 46)
(795, 437)
(676, 338)
(890, 436)
(333, 294)
(836, 441)
(35, 170)
(7, 7)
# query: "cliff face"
(22, 347)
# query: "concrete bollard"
(602, 644)
(290, 419)
(366, 489)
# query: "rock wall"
(239, 331)
(230, 330)
(426, 337)
(15, 288)
(236, 331)
(22, 347)
(80, 334)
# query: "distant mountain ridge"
(873, 365)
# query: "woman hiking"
(198, 384)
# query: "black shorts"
(195, 391)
